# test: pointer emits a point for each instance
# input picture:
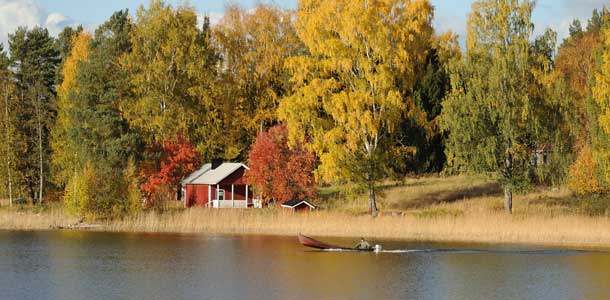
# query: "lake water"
(86, 265)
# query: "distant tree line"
(337, 91)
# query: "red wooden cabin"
(218, 185)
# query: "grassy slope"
(454, 195)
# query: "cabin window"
(220, 195)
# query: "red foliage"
(277, 171)
(175, 159)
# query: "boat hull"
(313, 243)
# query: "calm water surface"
(84, 265)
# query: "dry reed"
(457, 208)
(496, 227)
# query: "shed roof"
(196, 174)
(296, 202)
(215, 176)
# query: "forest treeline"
(360, 92)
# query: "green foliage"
(64, 159)
(97, 143)
(133, 196)
(497, 108)
(428, 93)
(168, 75)
(4, 62)
(33, 60)
(594, 205)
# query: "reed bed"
(30, 219)
(489, 228)
(457, 208)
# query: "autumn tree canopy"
(364, 91)
(489, 113)
(279, 172)
(346, 105)
(176, 159)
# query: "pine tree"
(34, 60)
(100, 142)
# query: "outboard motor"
(377, 248)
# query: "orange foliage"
(575, 61)
(279, 172)
(175, 159)
(575, 64)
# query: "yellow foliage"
(582, 174)
(80, 52)
(80, 194)
(348, 100)
(63, 159)
(167, 71)
(601, 89)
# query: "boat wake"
(470, 251)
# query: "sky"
(449, 14)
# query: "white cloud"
(57, 22)
(214, 18)
(15, 13)
(27, 13)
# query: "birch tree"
(346, 105)
(489, 114)
(170, 78)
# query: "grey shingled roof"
(197, 173)
(217, 175)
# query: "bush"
(583, 177)
(103, 193)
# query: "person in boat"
(363, 245)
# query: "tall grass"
(487, 227)
(458, 208)
(34, 218)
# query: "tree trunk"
(508, 199)
(508, 173)
(40, 149)
(372, 201)
(8, 149)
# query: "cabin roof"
(215, 176)
(296, 203)
(196, 174)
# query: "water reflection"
(77, 265)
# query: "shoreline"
(553, 231)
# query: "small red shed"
(218, 185)
(298, 205)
